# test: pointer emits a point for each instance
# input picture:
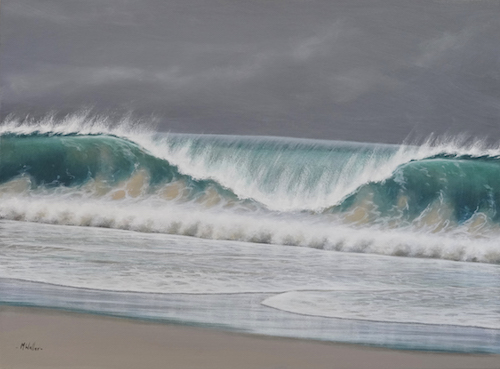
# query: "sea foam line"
(217, 223)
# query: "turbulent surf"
(438, 199)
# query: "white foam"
(460, 306)
(154, 214)
(307, 281)
(286, 225)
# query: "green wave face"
(456, 186)
(72, 160)
(51, 161)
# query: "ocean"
(377, 244)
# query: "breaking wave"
(439, 199)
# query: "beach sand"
(57, 339)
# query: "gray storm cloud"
(356, 70)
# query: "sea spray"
(438, 199)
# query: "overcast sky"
(365, 70)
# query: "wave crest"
(324, 194)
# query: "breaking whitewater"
(435, 200)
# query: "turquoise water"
(392, 245)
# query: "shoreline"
(35, 337)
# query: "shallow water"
(267, 289)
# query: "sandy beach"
(43, 338)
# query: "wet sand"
(44, 338)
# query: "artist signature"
(31, 346)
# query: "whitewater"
(352, 236)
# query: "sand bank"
(42, 338)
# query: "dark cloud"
(357, 69)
